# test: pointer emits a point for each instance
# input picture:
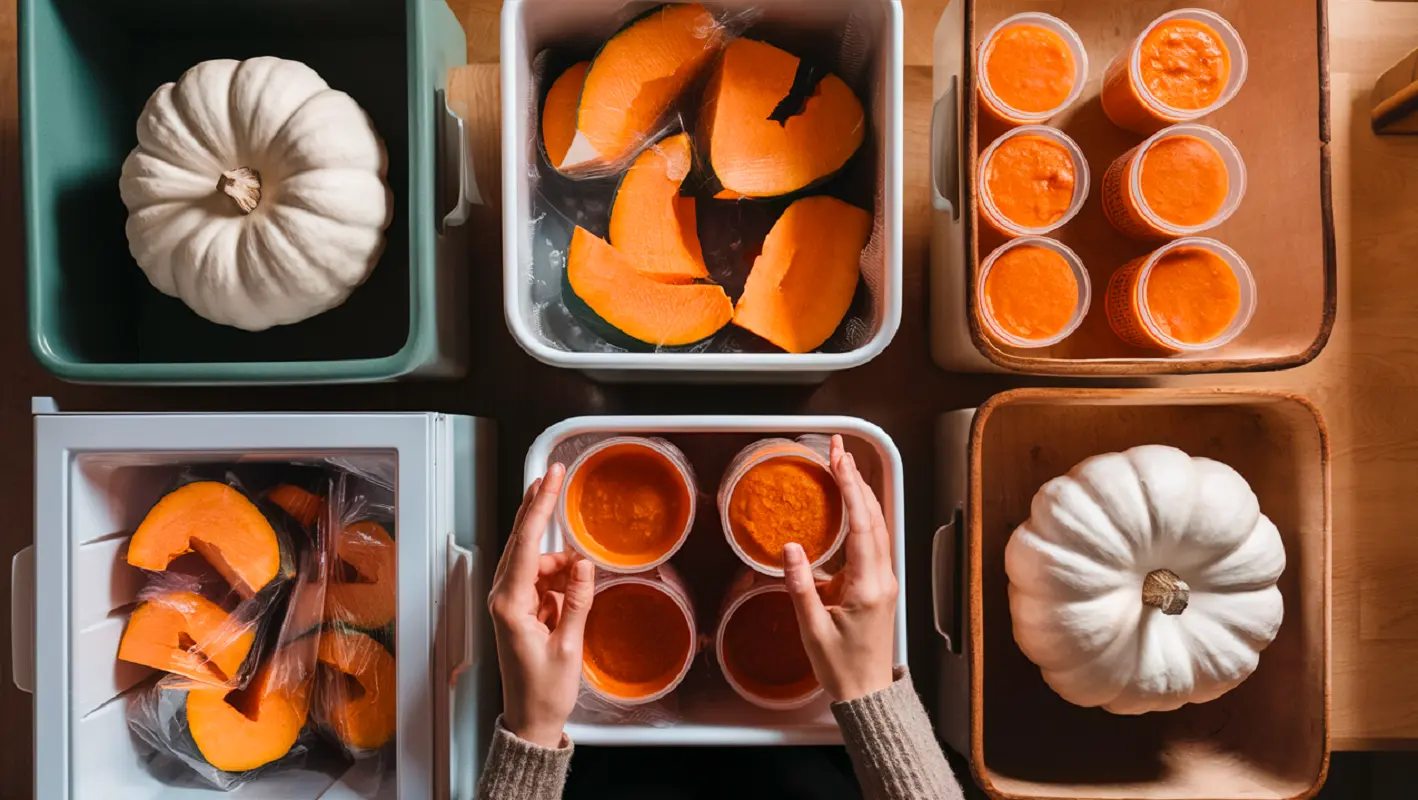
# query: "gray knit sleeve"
(520, 770)
(893, 746)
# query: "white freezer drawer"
(95, 477)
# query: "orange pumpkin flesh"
(238, 731)
(217, 521)
(360, 710)
(770, 132)
(643, 308)
(186, 634)
(303, 506)
(635, 78)
(363, 593)
(650, 223)
(559, 112)
(801, 285)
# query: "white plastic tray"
(709, 712)
(530, 26)
(96, 475)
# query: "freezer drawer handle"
(945, 151)
(947, 581)
(454, 190)
(22, 619)
(461, 563)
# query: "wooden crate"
(1268, 738)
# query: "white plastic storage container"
(705, 710)
(96, 475)
(534, 262)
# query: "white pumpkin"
(1145, 580)
(256, 194)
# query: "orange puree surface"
(637, 640)
(1031, 292)
(1030, 68)
(764, 650)
(1184, 180)
(1185, 64)
(781, 500)
(628, 504)
(1030, 179)
(1192, 295)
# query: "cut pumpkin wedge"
(650, 223)
(802, 284)
(634, 80)
(186, 634)
(238, 731)
(303, 506)
(364, 588)
(358, 702)
(559, 112)
(642, 308)
(217, 521)
(773, 126)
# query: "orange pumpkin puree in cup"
(1031, 292)
(1184, 64)
(764, 649)
(1030, 68)
(1184, 180)
(785, 499)
(1030, 180)
(1192, 295)
(636, 642)
(628, 505)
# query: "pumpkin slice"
(774, 125)
(559, 112)
(364, 587)
(186, 634)
(241, 730)
(358, 704)
(801, 285)
(650, 223)
(303, 506)
(217, 521)
(637, 75)
(643, 308)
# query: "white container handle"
(948, 583)
(452, 132)
(945, 151)
(460, 597)
(22, 619)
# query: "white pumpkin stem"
(1163, 590)
(243, 185)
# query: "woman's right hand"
(849, 627)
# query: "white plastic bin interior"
(96, 477)
(530, 26)
(705, 710)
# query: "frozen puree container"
(706, 710)
(86, 69)
(96, 475)
(862, 40)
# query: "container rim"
(1230, 155)
(1240, 64)
(766, 452)
(1080, 185)
(1080, 276)
(1075, 46)
(1239, 268)
(786, 704)
(665, 585)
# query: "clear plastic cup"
(568, 512)
(663, 579)
(1131, 105)
(1004, 111)
(1126, 206)
(812, 448)
(748, 585)
(1004, 224)
(1132, 320)
(1080, 274)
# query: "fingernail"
(793, 554)
(583, 571)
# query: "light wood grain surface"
(1366, 382)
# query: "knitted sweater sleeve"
(893, 746)
(520, 770)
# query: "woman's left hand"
(539, 603)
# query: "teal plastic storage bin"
(86, 69)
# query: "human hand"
(849, 629)
(539, 603)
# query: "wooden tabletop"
(1366, 381)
